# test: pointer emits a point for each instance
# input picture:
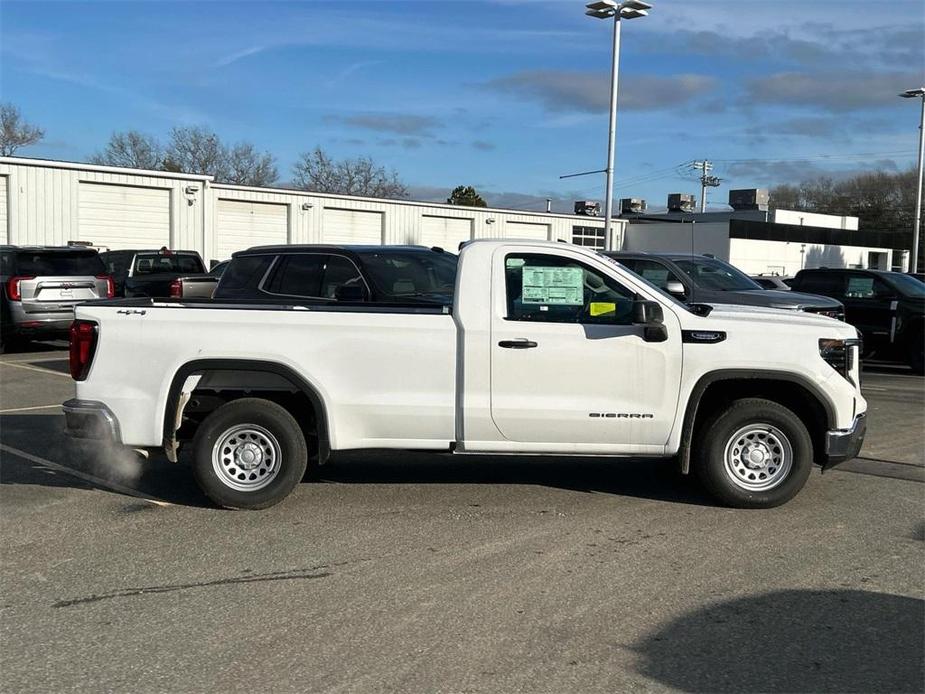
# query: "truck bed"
(387, 372)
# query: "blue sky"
(503, 95)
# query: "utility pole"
(706, 180)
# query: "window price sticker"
(554, 286)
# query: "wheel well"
(223, 382)
(792, 395)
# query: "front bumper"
(844, 444)
(89, 419)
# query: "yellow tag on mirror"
(602, 308)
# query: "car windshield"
(710, 273)
(908, 285)
(415, 275)
(150, 263)
(62, 264)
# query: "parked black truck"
(150, 272)
(887, 307)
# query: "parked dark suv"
(706, 280)
(380, 274)
(40, 287)
(887, 307)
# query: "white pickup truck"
(546, 349)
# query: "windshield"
(710, 273)
(907, 285)
(421, 275)
(150, 263)
(62, 264)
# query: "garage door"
(351, 226)
(123, 216)
(4, 206)
(240, 224)
(446, 232)
(525, 230)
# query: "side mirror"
(675, 287)
(649, 315)
(349, 292)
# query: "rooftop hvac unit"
(749, 199)
(681, 202)
(588, 208)
(632, 205)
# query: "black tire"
(771, 421)
(271, 428)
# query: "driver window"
(867, 287)
(555, 289)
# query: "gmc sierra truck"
(546, 349)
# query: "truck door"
(567, 364)
(870, 306)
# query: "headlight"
(839, 354)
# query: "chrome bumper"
(845, 444)
(88, 419)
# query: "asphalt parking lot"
(432, 573)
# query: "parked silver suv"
(40, 287)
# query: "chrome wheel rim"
(758, 457)
(246, 457)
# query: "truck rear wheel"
(754, 454)
(249, 454)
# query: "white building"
(762, 241)
(53, 203)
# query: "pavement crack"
(290, 575)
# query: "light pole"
(611, 9)
(916, 225)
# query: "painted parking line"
(48, 372)
(92, 479)
(29, 409)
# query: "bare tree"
(248, 167)
(316, 171)
(196, 150)
(131, 149)
(16, 132)
(881, 200)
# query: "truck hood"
(776, 298)
(735, 313)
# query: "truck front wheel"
(249, 454)
(754, 454)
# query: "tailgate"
(51, 294)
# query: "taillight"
(12, 286)
(176, 290)
(110, 285)
(83, 344)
